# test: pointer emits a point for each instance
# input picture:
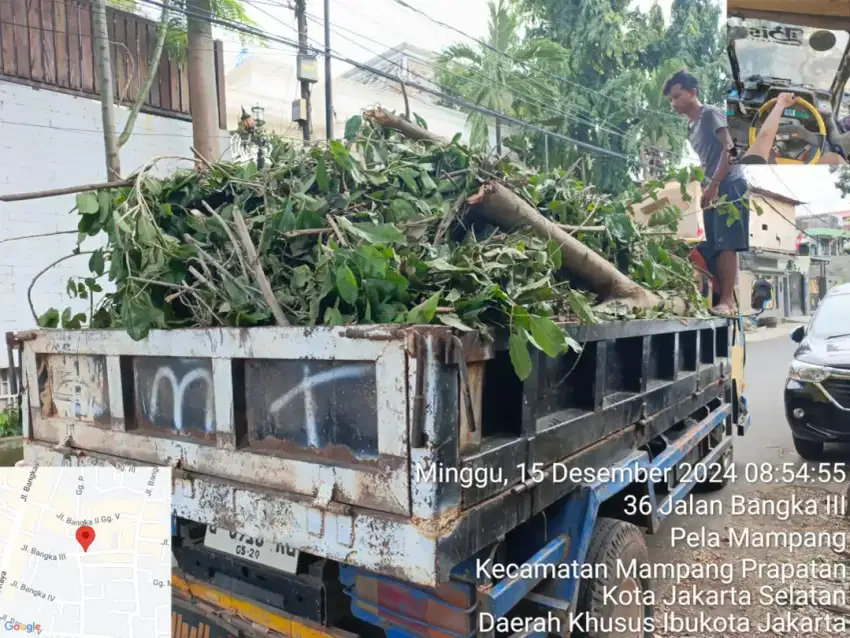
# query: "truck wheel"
(615, 540)
(809, 450)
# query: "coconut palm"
(480, 75)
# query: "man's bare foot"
(724, 310)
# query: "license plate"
(276, 555)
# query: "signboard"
(777, 34)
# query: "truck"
(353, 480)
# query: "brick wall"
(51, 140)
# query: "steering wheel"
(794, 143)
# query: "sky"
(813, 185)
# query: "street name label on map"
(84, 551)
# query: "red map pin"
(85, 537)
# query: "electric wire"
(336, 56)
(603, 125)
(524, 97)
(554, 76)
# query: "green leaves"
(374, 233)
(87, 203)
(50, 319)
(424, 312)
(346, 233)
(346, 285)
(322, 175)
(547, 336)
(518, 352)
(96, 264)
(352, 127)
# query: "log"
(397, 123)
(508, 210)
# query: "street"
(748, 604)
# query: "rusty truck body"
(332, 479)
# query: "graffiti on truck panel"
(178, 388)
(305, 388)
(176, 394)
(77, 388)
(313, 404)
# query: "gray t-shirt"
(702, 135)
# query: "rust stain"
(440, 526)
(334, 452)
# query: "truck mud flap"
(316, 595)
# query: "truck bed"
(332, 440)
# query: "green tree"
(615, 64)
(491, 80)
(171, 36)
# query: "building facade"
(773, 256)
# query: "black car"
(817, 392)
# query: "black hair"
(687, 81)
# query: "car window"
(832, 317)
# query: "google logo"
(17, 626)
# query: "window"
(4, 382)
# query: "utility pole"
(202, 94)
(304, 50)
(104, 79)
(329, 102)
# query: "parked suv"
(817, 392)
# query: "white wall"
(53, 140)
(271, 82)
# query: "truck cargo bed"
(334, 440)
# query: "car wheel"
(809, 450)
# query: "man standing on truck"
(709, 136)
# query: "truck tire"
(809, 450)
(615, 540)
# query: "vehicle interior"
(779, 46)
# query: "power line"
(522, 96)
(319, 53)
(554, 76)
(527, 98)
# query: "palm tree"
(480, 75)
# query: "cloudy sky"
(814, 185)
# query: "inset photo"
(790, 63)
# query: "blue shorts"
(719, 235)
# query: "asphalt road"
(767, 441)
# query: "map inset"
(85, 552)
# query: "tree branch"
(508, 210)
(38, 276)
(70, 190)
(397, 123)
(60, 232)
(259, 275)
(153, 67)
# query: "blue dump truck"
(339, 481)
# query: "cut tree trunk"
(397, 123)
(507, 209)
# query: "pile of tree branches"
(389, 225)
